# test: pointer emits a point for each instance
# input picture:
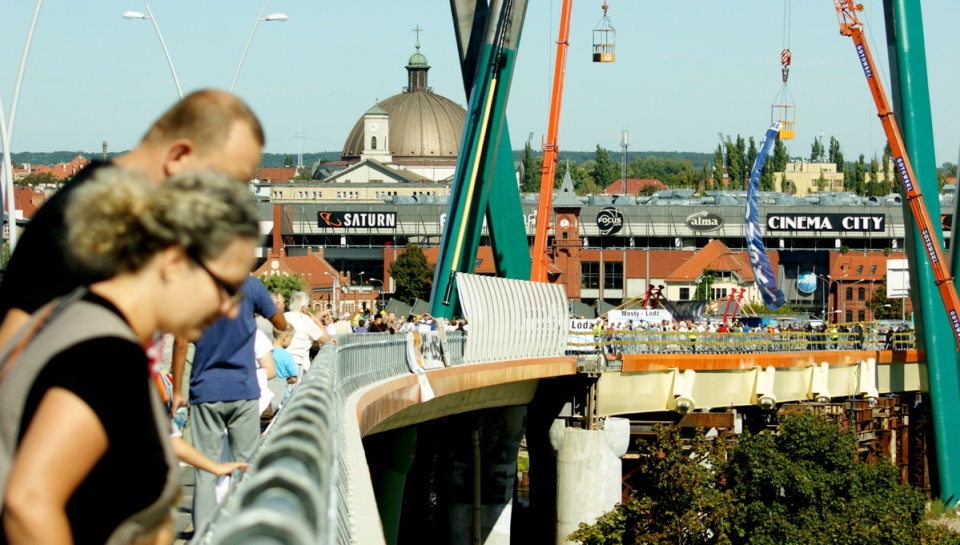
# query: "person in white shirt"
(307, 333)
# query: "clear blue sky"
(684, 72)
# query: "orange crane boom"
(548, 170)
(850, 26)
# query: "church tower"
(376, 130)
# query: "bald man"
(207, 130)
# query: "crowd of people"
(712, 336)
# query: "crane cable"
(785, 55)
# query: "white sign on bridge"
(655, 315)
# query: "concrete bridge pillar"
(499, 435)
(389, 456)
(589, 471)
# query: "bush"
(802, 485)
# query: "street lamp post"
(334, 290)
(279, 17)
(149, 15)
(6, 135)
(381, 291)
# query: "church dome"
(417, 59)
(424, 126)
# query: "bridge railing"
(685, 342)
(299, 489)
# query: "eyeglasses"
(234, 293)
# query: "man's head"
(207, 130)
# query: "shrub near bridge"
(803, 485)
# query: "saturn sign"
(704, 221)
(609, 221)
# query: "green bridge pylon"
(939, 377)
(484, 185)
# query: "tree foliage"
(531, 171)
(604, 172)
(802, 485)
(285, 284)
(679, 499)
(412, 275)
(40, 178)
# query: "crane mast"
(851, 26)
(548, 170)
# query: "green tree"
(767, 181)
(817, 151)
(287, 161)
(285, 284)
(752, 154)
(859, 178)
(821, 183)
(949, 169)
(412, 274)
(803, 484)
(718, 162)
(780, 156)
(531, 171)
(41, 178)
(604, 173)
(883, 308)
(834, 154)
(736, 162)
(678, 500)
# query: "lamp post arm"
(236, 74)
(164, 46)
(6, 135)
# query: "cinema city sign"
(873, 223)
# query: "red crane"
(850, 26)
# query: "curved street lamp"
(149, 15)
(6, 136)
(279, 17)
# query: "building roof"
(858, 266)
(276, 174)
(634, 186)
(316, 270)
(484, 263)
(715, 256)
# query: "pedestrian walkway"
(183, 524)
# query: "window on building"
(589, 275)
(859, 269)
(373, 142)
(873, 269)
(613, 275)
(861, 315)
(718, 293)
(849, 294)
(861, 294)
(684, 294)
(849, 317)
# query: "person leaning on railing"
(92, 461)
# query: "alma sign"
(704, 221)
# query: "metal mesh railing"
(685, 342)
(299, 489)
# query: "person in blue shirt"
(286, 378)
(224, 392)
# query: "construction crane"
(541, 261)
(850, 26)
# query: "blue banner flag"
(762, 270)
